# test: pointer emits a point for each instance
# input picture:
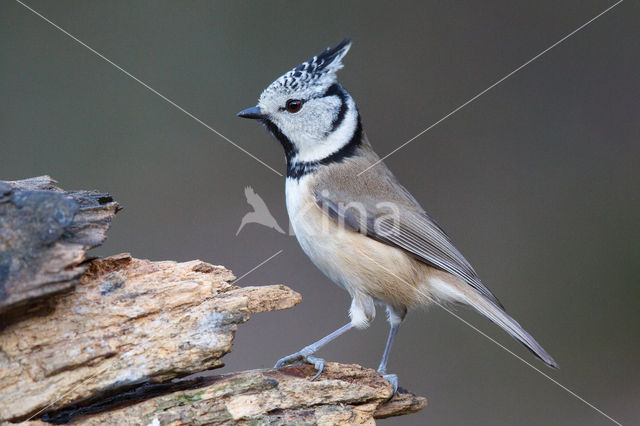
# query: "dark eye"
(293, 105)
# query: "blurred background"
(537, 181)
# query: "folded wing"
(402, 224)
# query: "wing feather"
(406, 227)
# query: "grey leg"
(382, 369)
(395, 317)
(304, 354)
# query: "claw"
(318, 363)
(393, 379)
(289, 359)
(300, 357)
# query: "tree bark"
(45, 233)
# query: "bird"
(353, 218)
(260, 214)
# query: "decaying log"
(121, 338)
(343, 394)
(128, 322)
(45, 233)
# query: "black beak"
(253, 112)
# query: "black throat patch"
(289, 149)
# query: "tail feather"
(511, 326)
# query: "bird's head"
(307, 110)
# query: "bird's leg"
(304, 354)
(393, 330)
(395, 318)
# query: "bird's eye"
(293, 105)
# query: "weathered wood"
(343, 394)
(45, 233)
(128, 322)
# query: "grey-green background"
(536, 181)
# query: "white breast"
(312, 229)
(296, 193)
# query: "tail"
(511, 326)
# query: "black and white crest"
(327, 62)
(317, 71)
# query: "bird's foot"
(300, 357)
(393, 379)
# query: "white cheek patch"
(314, 144)
(315, 118)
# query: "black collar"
(299, 169)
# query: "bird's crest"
(317, 71)
(327, 62)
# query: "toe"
(288, 360)
(393, 380)
(318, 363)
